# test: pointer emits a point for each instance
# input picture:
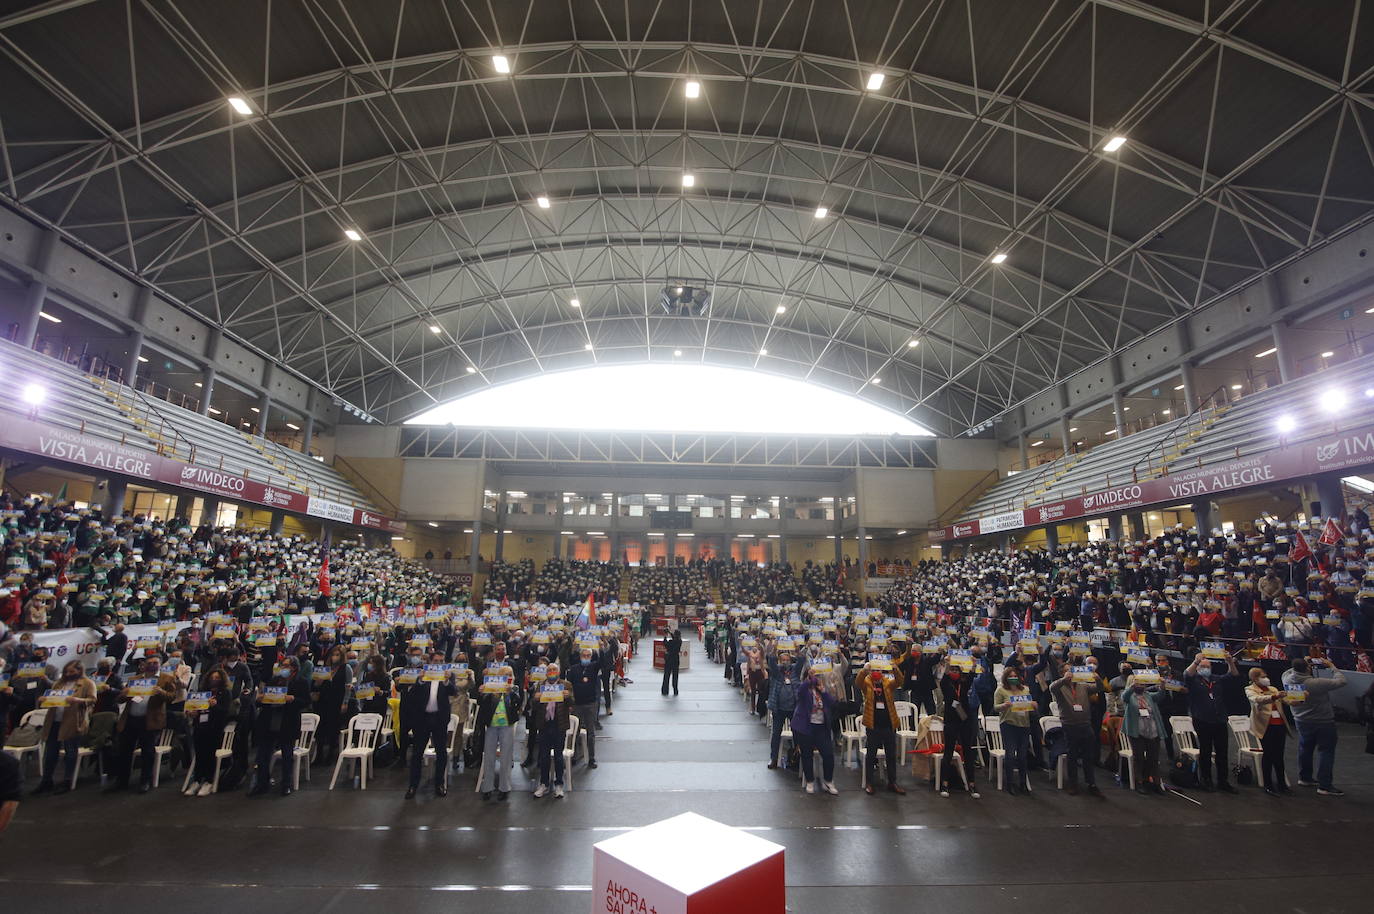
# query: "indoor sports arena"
(680, 458)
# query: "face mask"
(1264, 681)
(1013, 682)
(954, 675)
(1205, 672)
(586, 659)
(173, 664)
(550, 676)
(416, 661)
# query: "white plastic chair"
(1125, 753)
(786, 740)
(161, 749)
(83, 754)
(906, 725)
(360, 745)
(935, 733)
(992, 735)
(1061, 767)
(225, 750)
(1248, 748)
(431, 753)
(852, 736)
(36, 718)
(863, 759)
(470, 727)
(304, 748)
(569, 748)
(1185, 736)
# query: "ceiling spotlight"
(472, 369)
(34, 394)
(677, 352)
(1369, 391)
(575, 303)
(782, 309)
(543, 202)
(763, 352)
(143, 358)
(1037, 443)
(1270, 351)
(435, 328)
(912, 343)
(254, 409)
(822, 212)
(198, 384)
(1165, 412)
(876, 380)
(293, 426)
(875, 81)
(240, 105)
(49, 317)
(353, 235)
(1333, 400)
(688, 179)
(692, 89)
(677, 290)
(1179, 387)
(1327, 355)
(1285, 424)
(587, 346)
(501, 63)
(1235, 387)
(1073, 429)
(1114, 144)
(999, 257)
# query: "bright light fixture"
(49, 317)
(692, 89)
(501, 63)
(353, 235)
(214, 411)
(822, 212)
(35, 394)
(1165, 411)
(143, 358)
(901, 533)
(1037, 443)
(999, 257)
(1235, 387)
(781, 309)
(1327, 355)
(240, 104)
(1126, 409)
(1179, 387)
(587, 346)
(198, 384)
(763, 352)
(433, 524)
(1333, 400)
(677, 291)
(472, 369)
(1110, 431)
(1285, 424)
(912, 343)
(1073, 429)
(254, 409)
(542, 202)
(875, 81)
(575, 303)
(1270, 351)
(876, 380)
(677, 352)
(293, 426)
(1369, 391)
(688, 179)
(1114, 144)
(435, 328)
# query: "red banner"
(104, 456)
(1344, 450)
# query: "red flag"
(913, 613)
(839, 579)
(1331, 533)
(1301, 550)
(505, 602)
(324, 565)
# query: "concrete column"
(1189, 391)
(207, 389)
(1136, 524)
(476, 548)
(559, 517)
(34, 295)
(1331, 495)
(1284, 355)
(1025, 453)
(500, 525)
(307, 433)
(1119, 413)
(863, 551)
(1052, 538)
(782, 549)
(135, 350)
(1005, 542)
(1064, 434)
(209, 508)
(839, 543)
(1114, 527)
(784, 507)
(115, 490)
(1203, 516)
(264, 410)
(184, 505)
(278, 522)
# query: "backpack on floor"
(1184, 773)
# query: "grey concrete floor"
(350, 850)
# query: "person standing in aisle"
(672, 658)
(584, 676)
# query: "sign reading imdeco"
(687, 865)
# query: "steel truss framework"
(1249, 127)
(667, 448)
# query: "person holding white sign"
(69, 714)
(1208, 711)
(498, 708)
(428, 710)
(146, 695)
(551, 702)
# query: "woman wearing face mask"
(961, 725)
(374, 674)
(64, 727)
(1014, 704)
(207, 732)
(330, 700)
(1271, 726)
(1143, 718)
(811, 720)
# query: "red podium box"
(688, 864)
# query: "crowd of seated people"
(570, 581)
(510, 579)
(749, 584)
(686, 585)
(831, 582)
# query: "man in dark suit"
(672, 657)
(279, 725)
(427, 706)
